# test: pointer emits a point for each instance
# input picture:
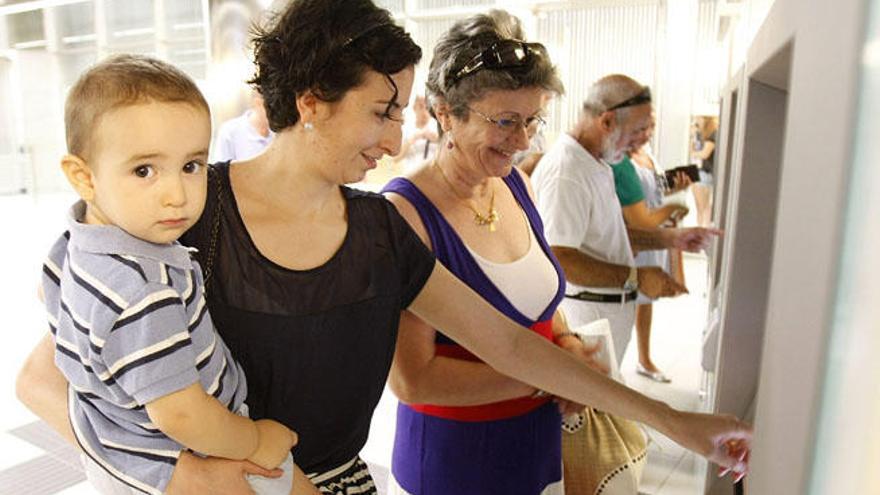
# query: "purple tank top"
(452, 252)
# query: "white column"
(160, 29)
(676, 75)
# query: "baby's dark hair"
(326, 46)
(117, 81)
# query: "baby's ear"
(79, 175)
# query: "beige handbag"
(601, 453)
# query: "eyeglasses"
(504, 54)
(511, 122)
(643, 97)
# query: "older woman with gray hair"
(463, 427)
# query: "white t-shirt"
(238, 140)
(579, 206)
(421, 150)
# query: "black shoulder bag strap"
(215, 226)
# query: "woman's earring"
(449, 143)
(309, 126)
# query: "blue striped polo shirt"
(131, 325)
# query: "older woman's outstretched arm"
(448, 304)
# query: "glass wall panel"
(7, 125)
(191, 56)
(25, 28)
(585, 36)
(183, 12)
(709, 59)
(184, 35)
(75, 22)
(130, 25)
(77, 39)
(426, 34)
(72, 63)
(395, 6)
(447, 4)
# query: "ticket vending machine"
(784, 163)
(746, 209)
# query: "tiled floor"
(34, 461)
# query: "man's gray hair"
(609, 91)
(469, 37)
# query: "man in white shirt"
(419, 138)
(583, 222)
(244, 136)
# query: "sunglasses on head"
(504, 54)
(643, 97)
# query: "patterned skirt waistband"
(350, 478)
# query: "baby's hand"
(275, 442)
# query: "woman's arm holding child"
(43, 389)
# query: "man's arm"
(691, 239)
(638, 215)
(583, 269)
(647, 239)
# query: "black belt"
(604, 298)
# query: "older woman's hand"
(194, 474)
(587, 353)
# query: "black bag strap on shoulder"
(215, 223)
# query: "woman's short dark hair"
(471, 36)
(325, 46)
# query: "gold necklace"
(489, 219)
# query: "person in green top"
(626, 182)
(641, 201)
